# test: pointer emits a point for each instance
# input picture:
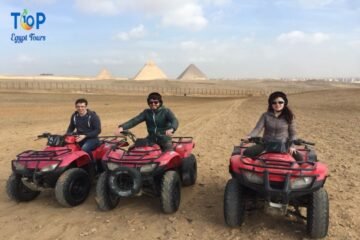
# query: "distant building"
(192, 73)
(104, 75)
(150, 71)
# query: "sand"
(330, 118)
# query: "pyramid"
(150, 71)
(104, 75)
(192, 73)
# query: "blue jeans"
(88, 145)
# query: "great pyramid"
(192, 73)
(150, 71)
(104, 75)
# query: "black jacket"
(157, 122)
(88, 125)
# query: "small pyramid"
(104, 75)
(192, 73)
(150, 71)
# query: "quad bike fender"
(170, 160)
(185, 149)
(80, 158)
(322, 171)
(235, 164)
(100, 151)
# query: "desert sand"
(329, 117)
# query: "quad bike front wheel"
(17, 191)
(170, 192)
(234, 203)
(105, 199)
(72, 187)
(125, 181)
(189, 170)
(318, 214)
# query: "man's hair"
(81, 100)
(155, 96)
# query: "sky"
(224, 38)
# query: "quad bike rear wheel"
(17, 191)
(72, 187)
(170, 192)
(105, 199)
(234, 203)
(189, 170)
(318, 214)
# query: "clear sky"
(224, 38)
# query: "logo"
(28, 22)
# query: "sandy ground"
(329, 118)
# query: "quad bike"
(146, 169)
(62, 165)
(283, 185)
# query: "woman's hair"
(286, 112)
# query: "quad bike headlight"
(49, 168)
(112, 166)
(301, 182)
(18, 166)
(253, 177)
(148, 168)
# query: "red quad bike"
(283, 185)
(146, 169)
(61, 165)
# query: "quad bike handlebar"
(47, 134)
(260, 140)
(114, 141)
(302, 142)
(256, 140)
(44, 135)
(129, 134)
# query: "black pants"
(257, 149)
(165, 142)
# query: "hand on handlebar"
(292, 150)
(245, 139)
(169, 132)
(79, 138)
(118, 131)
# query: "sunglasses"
(154, 102)
(279, 102)
(80, 106)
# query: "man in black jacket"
(87, 125)
(160, 121)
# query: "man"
(160, 121)
(87, 125)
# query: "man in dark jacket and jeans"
(160, 121)
(87, 125)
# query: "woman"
(278, 124)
